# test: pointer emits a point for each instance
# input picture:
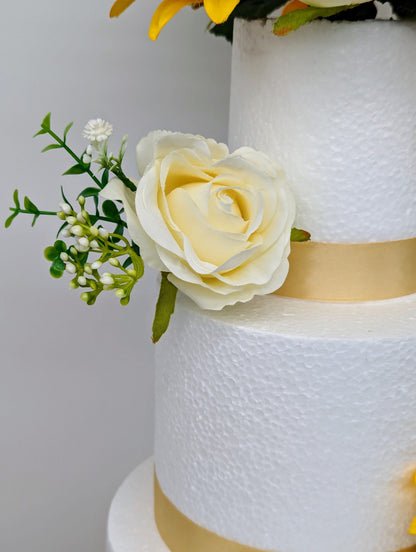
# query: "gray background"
(76, 392)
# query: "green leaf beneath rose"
(295, 19)
(164, 308)
(298, 235)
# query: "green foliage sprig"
(84, 227)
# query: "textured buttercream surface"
(334, 104)
(290, 425)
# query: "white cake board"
(131, 526)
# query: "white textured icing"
(290, 425)
(334, 103)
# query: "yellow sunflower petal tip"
(119, 6)
(164, 13)
(412, 528)
(219, 10)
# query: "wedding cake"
(288, 424)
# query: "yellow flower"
(412, 528)
(218, 11)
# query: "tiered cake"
(286, 424)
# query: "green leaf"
(89, 192)
(65, 224)
(105, 177)
(10, 219)
(60, 246)
(57, 268)
(35, 218)
(164, 308)
(41, 131)
(67, 129)
(135, 248)
(83, 257)
(110, 209)
(127, 262)
(64, 198)
(51, 147)
(76, 169)
(29, 206)
(297, 235)
(295, 19)
(119, 229)
(16, 199)
(46, 123)
(50, 253)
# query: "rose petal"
(116, 190)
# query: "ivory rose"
(219, 223)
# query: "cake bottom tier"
(290, 426)
(131, 524)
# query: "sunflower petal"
(412, 528)
(119, 6)
(219, 10)
(164, 13)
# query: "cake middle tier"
(334, 104)
(289, 425)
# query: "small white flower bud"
(65, 207)
(114, 262)
(81, 200)
(89, 149)
(73, 250)
(71, 220)
(94, 231)
(85, 296)
(77, 230)
(132, 272)
(119, 293)
(94, 244)
(86, 159)
(103, 233)
(107, 287)
(73, 285)
(71, 268)
(61, 215)
(66, 233)
(81, 248)
(80, 218)
(83, 242)
(96, 265)
(64, 256)
(82, 281)
(107, 279)
(87, 268)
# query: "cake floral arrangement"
(260, 426)
(221, 239)
(295, 13)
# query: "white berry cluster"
(96, 240)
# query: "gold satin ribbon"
(349, 272)
(181, 534)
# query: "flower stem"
(71, 153)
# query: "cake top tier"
(334, 104)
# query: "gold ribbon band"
(181, 534)
(349, 272)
